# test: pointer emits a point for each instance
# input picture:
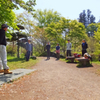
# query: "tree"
(86, 18)
(6, 13)
(82, 18)
(76, 33)
(97, 34)
(40, 38)
(58, 32)
(15, 4)
(45, 17)
(26, 19)
(29, 5)
(92, 19)
(97, 38)
(66, 29)
(91, 45)
(91, 28)
(6, 7)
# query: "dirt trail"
(54, 80)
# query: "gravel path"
(54, 80)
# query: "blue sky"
(69, 8)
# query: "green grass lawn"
(63, 59)
(16, 63)
(96, 62)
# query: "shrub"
(11, 49)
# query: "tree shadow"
(68, 61)
(86, 66)
(71, 62)
(16, 59)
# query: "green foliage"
(91, 28)
(8, 16)
(97, 39)
(40, 36)
(11, 49)
(46, 17)
(66, 29)
(86, 18)
(91, 45)
(97, 34)
(77, 30)
(15, 4)
(26, 19)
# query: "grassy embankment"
(16, 63)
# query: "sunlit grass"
(16, 63)
(96, 62)
(63, 59)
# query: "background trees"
(7, 14)
(26, 19)
(40, 39)
(43, 19)
(86, 17)
(91, 28)
(88, 20)
(49, 26)
(97, 38)
(6, 10)
(66, 29)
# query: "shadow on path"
(84, 66)
(16, 59)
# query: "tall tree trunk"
(18, 47)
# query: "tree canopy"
(26, 19)
(45, 17)
(91, 28)
(6, 7)
(86, 17)
(66, 29)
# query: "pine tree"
(82, 17)
(92, 19)
(86, 18)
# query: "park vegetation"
(50, 26)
